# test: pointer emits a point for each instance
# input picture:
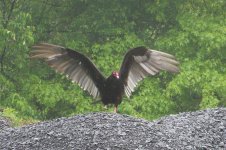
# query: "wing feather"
(141, 62)
(73, 64)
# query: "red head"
(115, 74)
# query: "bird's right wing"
(141, 62)
(73, 64)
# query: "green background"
(192, 30)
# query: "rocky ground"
(4, 123)
(193, 130)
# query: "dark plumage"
(137, 64)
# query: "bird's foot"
(115, 109)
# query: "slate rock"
(191, 130)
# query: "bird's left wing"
(140, 62)
(75, 65)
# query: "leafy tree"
(193, 31)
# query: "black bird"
(138, 63)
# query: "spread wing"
(75, 65)
(141, 62)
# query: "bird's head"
(115, 74)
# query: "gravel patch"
(4, 123)
(192, 130)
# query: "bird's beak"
(117, 76)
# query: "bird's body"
(114, 91)
(137, 64)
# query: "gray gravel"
(193, 130)
(4, 123)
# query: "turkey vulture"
(138, 63)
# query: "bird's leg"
(115, 109)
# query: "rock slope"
(192, 130)
(4, 123)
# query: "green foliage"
(193, 31)
(199, 41)
(148, 101)
(15, 119)
(198, 86)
